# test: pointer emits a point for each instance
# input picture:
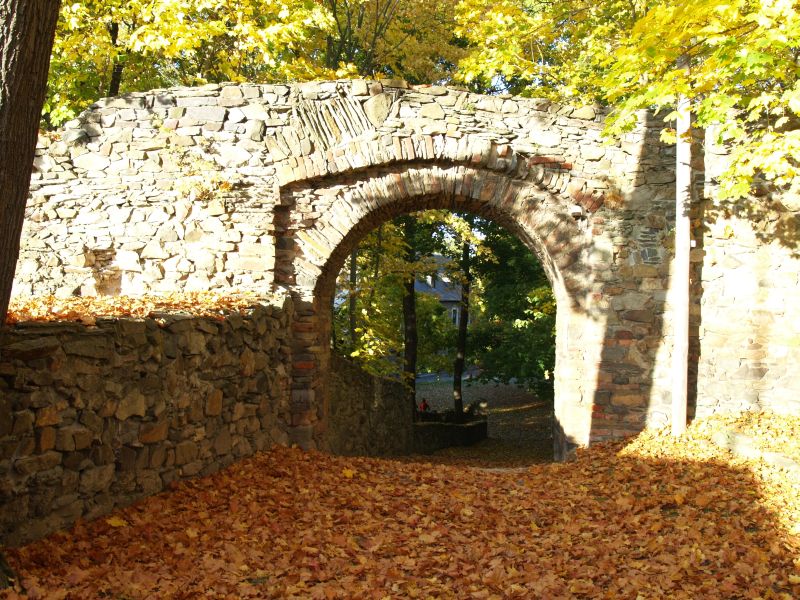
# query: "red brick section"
(304, 365)
(590, 201)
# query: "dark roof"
(445, 291)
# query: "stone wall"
(746, 318)
(96, 417)
(432, 436)
(367, 415)
(178, 189)
(250, 187)
(374, 416)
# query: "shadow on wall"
(697, 260)
(106, 278)
(633, 382)
(774, 214)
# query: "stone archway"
(246, 187)
(323, 218)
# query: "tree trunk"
(333, 325)
(351, 299)
(681, 265)
(376, 266)
(461, 341)
(27, 29)
(410, 341)
(116, 79)
(116, 71)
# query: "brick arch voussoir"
(551, 173)
(542, 220)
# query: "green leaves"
(382, 268)
(743, 66)
(190, 42)
(514, 337)
(171, 42)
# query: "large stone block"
(91, 162)
(186, 452)
(377, 108)
(132, 404)
(97, 479)
(32, 349)
(41, 462)
(150, 433)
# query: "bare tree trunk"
(116, 71)
(681, 265)
(461, 341)
(351, 299)
(410, 337)
(333, 325)
(27, 29)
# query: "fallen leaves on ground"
(85, 309)
(492, 453)
(653, 517)
(776, 433)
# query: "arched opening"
(459, 310)
(322, 221)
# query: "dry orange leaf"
(116, 521)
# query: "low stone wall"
(374, 416)
(367, 415)
(430, 437)
(95, 417)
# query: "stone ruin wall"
(94, 417)
(376, 421)
(181, 190)
(229, 187)
(176, 189)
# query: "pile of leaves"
(85, 309)
(653, 517)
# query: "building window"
(454, 315)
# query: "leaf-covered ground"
(520, 425)
(86, 309)
(649, 518)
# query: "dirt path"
(520, 425)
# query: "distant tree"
(370, 313)
(105, 47)
(409, 39)
(513, 336)
(466, 241)
(410, 335)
